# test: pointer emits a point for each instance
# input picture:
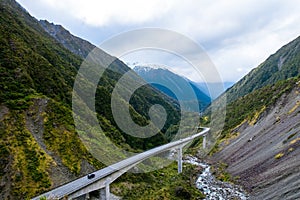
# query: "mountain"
(79, 46)
(282, 65)
(260, 143)
(75, 44)
(82, 48)
(175, 86)
(116, 68)
(39, 145)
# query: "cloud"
(104, 13)
(221, 19)
(237, 35)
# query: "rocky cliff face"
(265, 152)
(75, 44)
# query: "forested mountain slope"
(175, 86)
(39, 146)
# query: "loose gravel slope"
(266, 154)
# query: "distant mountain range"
(175, 86)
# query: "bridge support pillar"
(179, 151)
(105, 192)
(204, 142)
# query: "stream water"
(213, 188)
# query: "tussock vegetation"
(20, 152)
(279, 155)
(247, 109)
(165, 183)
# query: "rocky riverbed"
(213, 188)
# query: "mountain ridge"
(262, 149)
(259, 144)
(39, 145)
(80, 47)
(175, 86)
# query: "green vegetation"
(165, 183)
(60, 137)
(219, 171)
(37, 130)
(76, 45)
(248, 108)
(29, 163)
(33, 62)
(36, 79)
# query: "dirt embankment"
(266, 155)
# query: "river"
(213, 188)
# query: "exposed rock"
(253, 155)
(213, 188)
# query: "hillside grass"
(164, 183)
(29, 163)
(25, 164)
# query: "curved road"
(82, 182)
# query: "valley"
(255, 155)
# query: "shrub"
(279, 155)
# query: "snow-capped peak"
(145, 67)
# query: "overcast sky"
(236, 34)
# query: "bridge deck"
(78, 184)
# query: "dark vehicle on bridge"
(90, 176)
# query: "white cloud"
(104, 13)
(238, 35)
